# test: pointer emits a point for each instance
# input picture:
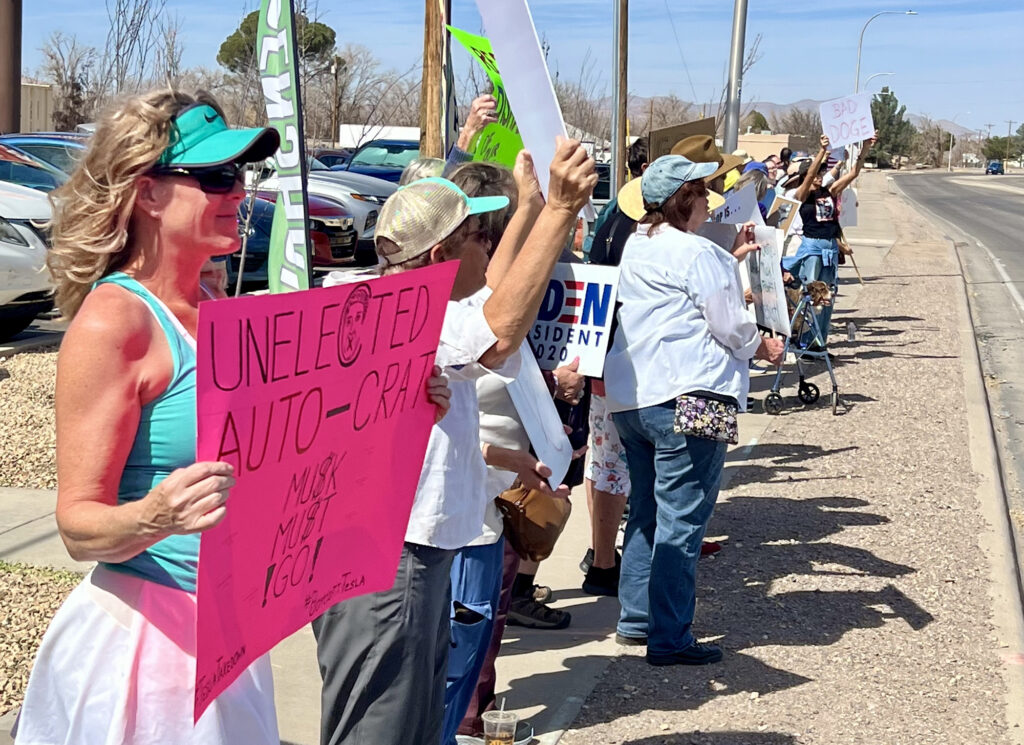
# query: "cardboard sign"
(317, 399)
(847, 120)
(740, 207)
(662, 140)
(518, 52)
(765, 270)
(496, 144)
(787, 211)
(575, 318)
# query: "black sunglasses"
(212, 180)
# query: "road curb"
(999, 543)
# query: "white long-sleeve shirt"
(683, 326)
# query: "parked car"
(332, 233)
(25, 289)
(995, 167)
(384, 159)
(62, 150)
(362, 196)
(22, 169)
(331, 157)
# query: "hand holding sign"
(573, 176)
(190, 500)
(482, 112)
(527, 183)
(439, 393)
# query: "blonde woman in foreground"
(155, 197)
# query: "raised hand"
(482, 111)
(525, 174)
(573, 177)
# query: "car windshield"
(317, 165)
(23, 171)
(389, 156)
(64, 157)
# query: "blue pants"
(811, 267)
(476, 585)
(675, 480)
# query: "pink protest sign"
(317, 398)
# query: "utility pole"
(619, 94)
(430, 88)
(730, 134)
(1009, 130)
(336, 64)
(10, 66)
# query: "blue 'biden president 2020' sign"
(575, 318)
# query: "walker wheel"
(773, 403)
(808, 393)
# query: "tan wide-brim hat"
(631, 200)
(702, 149)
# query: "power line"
(668, 11)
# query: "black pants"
(384, 657)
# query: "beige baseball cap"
(420, 215)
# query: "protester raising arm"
(529, 204)
(804, 190)
(512, 309)
(838, 186)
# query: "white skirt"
(117, 666)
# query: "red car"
(331, 231)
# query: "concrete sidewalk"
(545, 676)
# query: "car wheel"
(11, 327)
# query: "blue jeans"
(675, 480)
(476, 584)
(811, 267)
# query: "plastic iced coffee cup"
(499, 727)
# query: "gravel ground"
(31, 596)
(851, 598)
(26, 419)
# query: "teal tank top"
(164, 441)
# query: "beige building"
(760, 146)
(36, 107)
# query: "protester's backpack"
(610, 238)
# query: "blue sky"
(954, 57)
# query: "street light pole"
(860, 44)
(875, 75)
(619, 93)
(730, 134)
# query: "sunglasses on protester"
(212, 179)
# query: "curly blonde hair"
(91, 225)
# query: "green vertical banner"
(499, 142)
(289, 260)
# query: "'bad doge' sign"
(575, 317)
(317, 399)
(847, 120)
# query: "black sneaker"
(530, 614)
(631, 641)
(602, 581)
(695, 654)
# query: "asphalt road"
(984, 216)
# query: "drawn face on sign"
(352, 322)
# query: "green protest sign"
(496, 144)
(499, 142)
(289, 257)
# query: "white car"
(361, 195)
(25, 287)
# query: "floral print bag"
(707, 418)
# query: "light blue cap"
(664, 176)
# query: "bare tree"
(662, 111)
(131, 40)
(751, 57)
(584, 102)
(70, 67)
(169, 48)
(797, 121)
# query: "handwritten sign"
(785, 211)
(575, 318)
(740, 207)
(317, 399)
(847, 120)
(765, 270)
(499, 142)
